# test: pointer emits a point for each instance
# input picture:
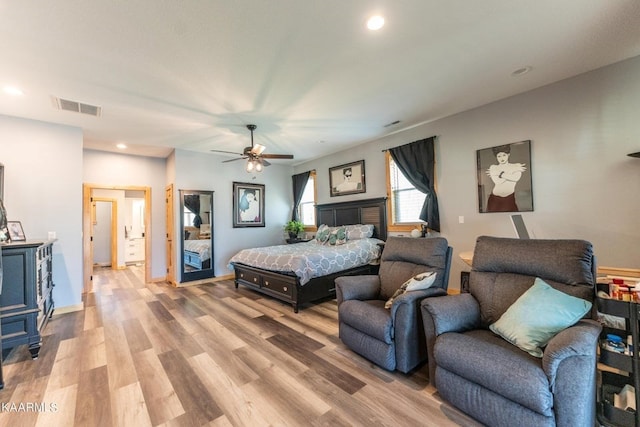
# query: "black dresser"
(26, 302)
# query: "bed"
(197, 254)
(306, 287)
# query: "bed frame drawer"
(278, 286)
(249, 277)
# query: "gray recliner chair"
(489, 378)
(392, 338)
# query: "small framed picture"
(248, 205)
(347, 179)
(16, 233)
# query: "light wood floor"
(150, 354)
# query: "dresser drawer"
(278, 286)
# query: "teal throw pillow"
(322, 235)
(338, 236)
(538, 315)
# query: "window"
(188, 217)
(307, 207)
(405, 202)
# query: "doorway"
(89, 195)
(104, 223)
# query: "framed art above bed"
(347, 179)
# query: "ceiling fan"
(255, 154)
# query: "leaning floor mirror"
(196, 208)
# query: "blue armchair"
(392, 338)
(494, 381)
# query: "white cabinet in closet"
(134, 250)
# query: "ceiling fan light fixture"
(256, 160)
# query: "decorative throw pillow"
(322, 235)
(538, 315)
(338, 236)
(416, 283)
(359, 231)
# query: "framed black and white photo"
(16, 233)
(504, 178)
(248, 205)
(347, 179)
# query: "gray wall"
(43, 190)
(584, 184)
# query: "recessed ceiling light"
(121, 146)
(13, 91)
(375, 22)
(521, 71)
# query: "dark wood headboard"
(369, 211)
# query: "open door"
(170, 250)
(104, 223)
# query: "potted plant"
(294, 228)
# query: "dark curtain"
(192, 202)
(416, 161)
(299, 183)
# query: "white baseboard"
(68, 309)
(210, 280)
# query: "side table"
(296, 240)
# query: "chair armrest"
(580, 339)
(452, 313)
(412, 296)
(357, 287)
(569, 360)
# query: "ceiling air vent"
(76, 107)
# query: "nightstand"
(296, 240)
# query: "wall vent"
(76, 107)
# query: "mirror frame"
(188, 276)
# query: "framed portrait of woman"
(347, 179)
(504, 178)
(248, 205)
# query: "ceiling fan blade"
(228, 152)
(233, 160)
(277, 156)
(264, 162)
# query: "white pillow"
(421, 281)
(416, 283)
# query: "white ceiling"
(192, 73)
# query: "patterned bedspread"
(200, 247)
(310, 259)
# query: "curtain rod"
(387, 149)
